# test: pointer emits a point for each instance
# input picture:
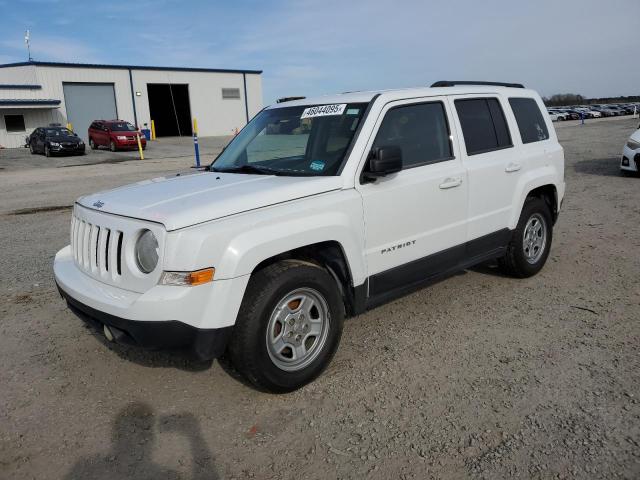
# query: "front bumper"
(130, 143)
(202, 344)
(67, 150)
(195, 318)
(630, 160)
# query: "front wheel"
(47, 151)
(112, 146)
(31, 149)
(530, 243)
(289, 326)
(92, 144)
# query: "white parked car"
(318, 209)
(557, 116)
(630, 162)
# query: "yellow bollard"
(140, 146)
(195, 126)
(153, 130)
(70, 126)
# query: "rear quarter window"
(530, 121)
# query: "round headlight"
(147, 252)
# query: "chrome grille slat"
(85, 245)
(93, 242)
(113, 253)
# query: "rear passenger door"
(415, 220)
(493, 168)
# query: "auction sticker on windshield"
(324, 110)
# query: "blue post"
(195, 142)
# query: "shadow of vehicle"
(133, 439)
(490, 268)
(151, 358)
(608, 167)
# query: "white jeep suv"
(317, 210)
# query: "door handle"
(451, 182)
(512, 167)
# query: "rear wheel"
(289, 326)
(529, 247)
(31, 149)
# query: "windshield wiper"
(247, 169)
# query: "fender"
(234, 246)
(547, 175)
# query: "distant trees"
(562, 99)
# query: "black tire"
(247, 350)
(515, 262)
(112, 146)
(47, 151)
(31, 149)
(92, 144)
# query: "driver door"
(415, 220)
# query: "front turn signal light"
(188, 279)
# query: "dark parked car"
(115, 134)
(55, 140)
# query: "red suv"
(115, 134)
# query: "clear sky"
(591, 47)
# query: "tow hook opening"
(108, 333)
(112, 334)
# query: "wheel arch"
(329, 255)
(548, 193)
(543, 186)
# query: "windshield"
(306, 140)
(58, 132)
(122, 127)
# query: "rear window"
(529, 119)
(483, 125)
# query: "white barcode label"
(324, 110)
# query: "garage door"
(87, 102)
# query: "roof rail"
(452, 83)
(289, 99)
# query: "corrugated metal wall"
(216, 116)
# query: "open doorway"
(169, 109)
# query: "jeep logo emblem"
(98, 204)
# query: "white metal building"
(34, 94)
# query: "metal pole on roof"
(27, 40)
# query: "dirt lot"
(478, 376)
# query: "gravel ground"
(478, 376)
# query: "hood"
(187, 199)
(63, 138)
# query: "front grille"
(103, 244)
(96, 249)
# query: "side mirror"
(383, 161)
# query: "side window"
(529, 119)
(483, 125)
(421, 131)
